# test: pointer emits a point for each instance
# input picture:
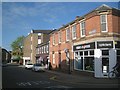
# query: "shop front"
(97, 57)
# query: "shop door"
(105, 62)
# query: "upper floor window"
(47, 49)
(82, 28)
(74, 32)
(44, 49)
(103, 21)
(53, 39)
(67, 34)
(59, 36)
(40, 50)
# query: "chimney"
(76, 17)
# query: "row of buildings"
(6, 55)
(92, 43)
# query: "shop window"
(81, 53)
(89, 63)
(92, 52)
(85, 52)
(105, 52)
(118, 52)
(78, 63)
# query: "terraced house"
(92, 41)
(31, 41)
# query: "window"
(59, 36)
(44, 49)
(53, 57)
(39, 41)
(39, 37)
(105, 52)
(103, 21)
(47, 49)
(40, 50)
(82, 28)
(53, 39)
(67, 34)
(74, 32)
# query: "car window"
(29, 64)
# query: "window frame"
(68, 34)
(82, 29)
(74, 31)
(53, 37)
(59, 36)
(103, 22)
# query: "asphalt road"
(14, 76)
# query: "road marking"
(32, 83)
(58, 86)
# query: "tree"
(17, 44)
(17, 47)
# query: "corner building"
(93, 41)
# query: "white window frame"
(68, 34)
(82, 28)
(59, 36)
(104, 22)
(74, 31)
(44, 49)
(53, 37)
(40, 50)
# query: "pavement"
(78, 79)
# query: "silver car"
(38, 67)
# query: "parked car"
(38, 67)
(29, 66)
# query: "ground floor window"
(84, 60)
(118, 55)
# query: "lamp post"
(67, 51)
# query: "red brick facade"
(92, 33)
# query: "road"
(14, 76)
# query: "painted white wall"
(25, 58)
(98, 63)
(112, 58)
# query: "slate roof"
(42, 31)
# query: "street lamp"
(67, 51)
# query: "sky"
(19, 18)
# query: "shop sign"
(117, 44)
(105, 44)
(84, 46)
(92, 31)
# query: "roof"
(103, 7)
(41, 31)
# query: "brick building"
(30, 43)
(92, 41)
